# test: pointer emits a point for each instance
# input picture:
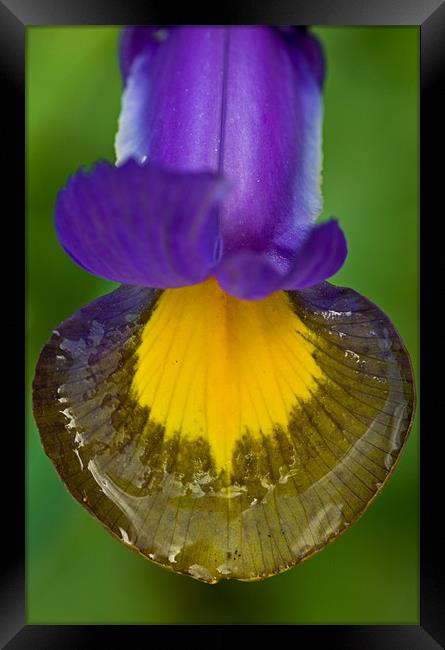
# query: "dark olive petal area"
(225, 441)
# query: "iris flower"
(225, 412)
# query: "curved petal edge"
(141, 225)
(224, 438)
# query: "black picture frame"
(15, 17)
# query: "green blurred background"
(76, 572)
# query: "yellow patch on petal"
(212, 366)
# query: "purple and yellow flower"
(226, 412)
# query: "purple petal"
(309, 48)
(248, 275)
(141, 225)
(139, 40)
(272, 140)
(244, 101)
(172, 101)
(322, 255)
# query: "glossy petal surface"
(139, 224)
(225, 438)
(243, 101)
